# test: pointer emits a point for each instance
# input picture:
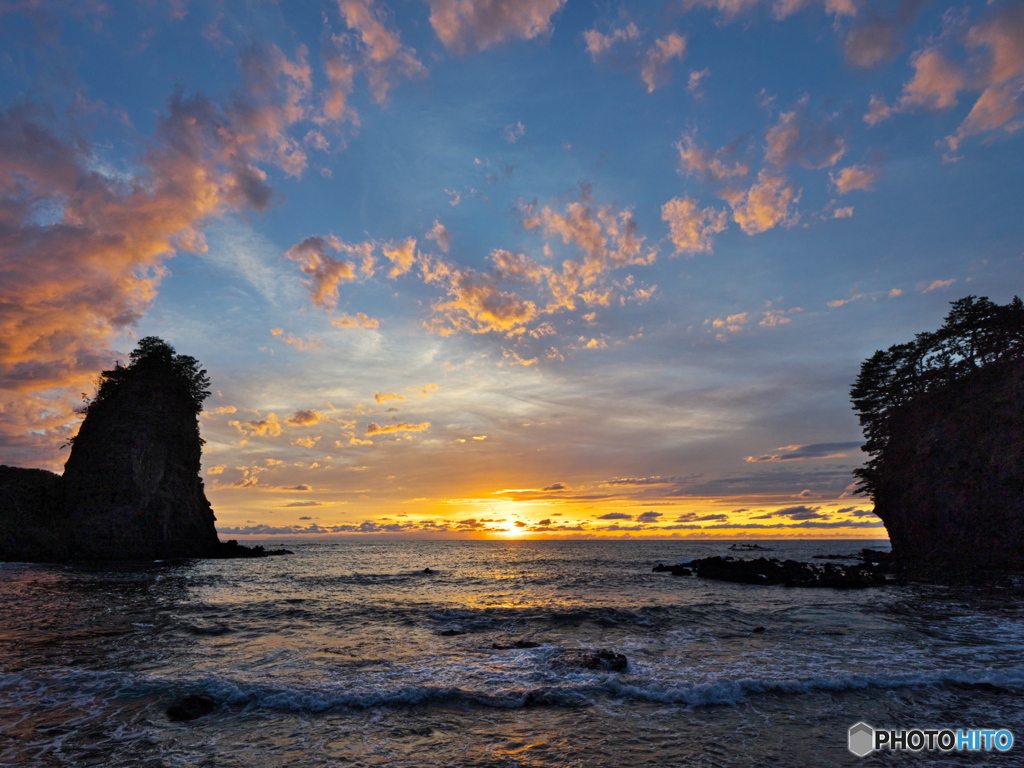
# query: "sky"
(503, 268)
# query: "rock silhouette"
(944, 420)
(951, 490)
(131, 488)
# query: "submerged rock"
(601, 660)
(191, 707)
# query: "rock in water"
(131, 489)
(131, 485)
(951, 490)
(191, 707)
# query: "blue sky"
(494, 268)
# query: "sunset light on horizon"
(503, 270)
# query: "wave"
(578, 689)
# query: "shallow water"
(346, 653)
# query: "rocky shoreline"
(872, 571)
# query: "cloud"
(300, 344)
(655, 480)
(842, 213)
(440, 235)
(556, 487)
(794, 513)
(997, 45)
(477, 304)
(765, 204)
(731, 323)
(994, 68)
(514, 132)
(305, 418)
(599, 43)
(381, 397)
(268, 427)
(656, 67)
(875, 40)
(359, 321)
(937, 284)
(465, 26)
(615, 516)
(326, 272)
(776, 317)
(811, 451)
(216, 470)
(692, 229)
(401, 256)
(855, 177)
(695, 81)
(781, 9)
(303, 504)
(377, 429)
(648, 517)
(710, 167)
(798, 138)
(384, 58)
(693, 517)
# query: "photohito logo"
(863, 739)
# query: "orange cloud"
(465, 26)
(359, 321)
(326, 272)
(402, 256)
(305, 418)
(765, 204)
(854, 177)
(692, 228)
(74, 282)
(697, 160)
(268, 427)
(381, 397)
(384, 58)
(300, 344)
(377, 429)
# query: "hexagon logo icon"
(861, 739)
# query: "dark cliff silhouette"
(943, 417)
(131, 488)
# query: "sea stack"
(131, 485)
(952, 493)
(944, 420)
(131, 488)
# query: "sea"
(347, 653)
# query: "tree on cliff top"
(977, 333)
(154, 357)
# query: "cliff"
(131, 485)
(131, 488)
(950, 483)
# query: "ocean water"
(347, 654)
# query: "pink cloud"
(657, 61)
(465, 26)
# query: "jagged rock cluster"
(131, 488)
(768, 571)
